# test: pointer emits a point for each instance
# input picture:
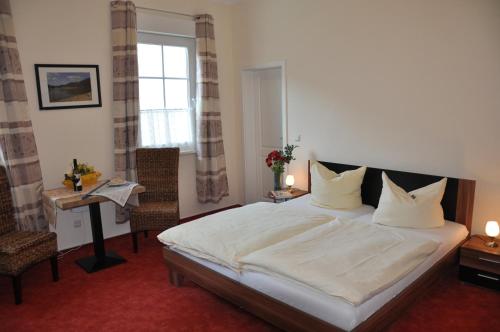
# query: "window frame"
(152, 38)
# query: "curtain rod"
(167, 12)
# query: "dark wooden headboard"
(458, 199)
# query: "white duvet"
(225, 237)
(344, 258)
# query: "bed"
(294, 308)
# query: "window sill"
(187, 153)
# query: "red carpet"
(136, 296)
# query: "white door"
(271, 135)
(263, 123)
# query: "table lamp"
(492, 230)
(290, 180)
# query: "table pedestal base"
(102, 259)
(94, 264)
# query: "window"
(166, 90)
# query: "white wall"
(78, 32)
(408, 85)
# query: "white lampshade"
(290, 180)
(492, 228)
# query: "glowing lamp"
(492, 230)
(290, 180)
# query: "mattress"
(331, 309)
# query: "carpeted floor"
(136, 296)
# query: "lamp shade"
(492, 228)
(290, 180)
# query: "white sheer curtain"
(162, 128)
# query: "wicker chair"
(157, 170)
(20, 250)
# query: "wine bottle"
(77, 179)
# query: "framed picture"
(67, 86)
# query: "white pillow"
(336, 191)
(420, 208)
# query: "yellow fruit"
(87, 180)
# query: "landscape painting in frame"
(67, 86)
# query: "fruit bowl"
(87, 180)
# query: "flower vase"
(277, 180)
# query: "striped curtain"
(125, 92)
(211, 178)
(17, 141)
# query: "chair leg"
(146, 234)
(18, 294)
(54, 267)
(134, 242)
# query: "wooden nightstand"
(480, 264)
(295, 193)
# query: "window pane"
(149, 60)
(176, 94)
(165, 91)
(150, 93)
(175, 61)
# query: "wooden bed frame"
(457, 205)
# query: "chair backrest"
(158, 171)
(7, 219)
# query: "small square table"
(65, 201)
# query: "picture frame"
(63, 86)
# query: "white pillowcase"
(336, 191)
(420, 208)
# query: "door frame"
(249, 84)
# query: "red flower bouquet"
(277, 159)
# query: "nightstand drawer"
(479, 260)
(478, 277)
